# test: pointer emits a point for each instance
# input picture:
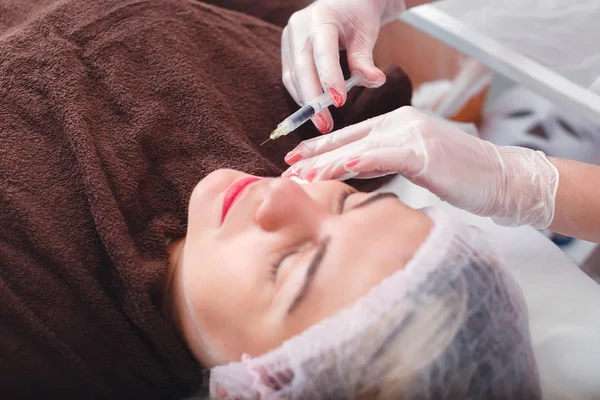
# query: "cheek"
(230, 296)
(215, 283)
(205, 205)
(202, 213)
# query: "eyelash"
(342, 199)
(275, 266)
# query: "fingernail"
(380, 80)
(311, 175)
(222, 393)
(337, 98)
(320, 123)
(352, 162)
(329, 127)
(293, 157)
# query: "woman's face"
(264, 259)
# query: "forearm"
(577, 208)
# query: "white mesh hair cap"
(451, 325)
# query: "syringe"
(305, 113)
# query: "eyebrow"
(310, 274)
(373, 199)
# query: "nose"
(287, 205)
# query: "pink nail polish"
(337, 98)
(320, 123)
(311, 175)
(293, 158)
(221, 393)
(329, 127)
(352, 162)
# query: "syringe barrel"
(300, 117)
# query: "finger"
(341, 176)
(360, 59)
(403, 160)
(368, 175)
(330, 165)
(306, 78)
(320, 145)
(323, 121)
(308, 169)
(310, 172)
(286, 66)
(327, 59)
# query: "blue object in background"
(561, 240)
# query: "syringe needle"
(265, 142)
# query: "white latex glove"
(513, 185)
(311, 42)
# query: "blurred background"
(514, 104)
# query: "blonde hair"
(439, 329)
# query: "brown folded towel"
(110, 112)
(277, 12)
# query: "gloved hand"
(513, 185)
(310, 49)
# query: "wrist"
(531, 182)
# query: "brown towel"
(277, 12)
(110, 112)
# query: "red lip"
(233, 193)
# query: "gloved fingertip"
(220, 392)
(373, 77)
(311, 174)
(322, 124)
(327, 122)
(293, 157)
(337, 98)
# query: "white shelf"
(505, 61)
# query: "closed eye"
(364, 203)
(342, 199)
(275, 266)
